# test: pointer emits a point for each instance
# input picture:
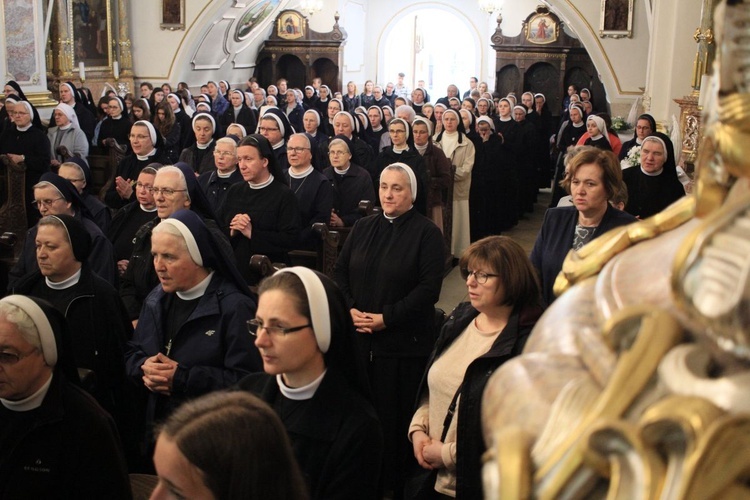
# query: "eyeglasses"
(74, 180)
(480, 276)
(254, 327)
(267, 129)
(45, 203)
(9, 358)
(395, 131)
(223, 154)
(19, 113)
(167, 192)
(147, 187)
(296, 150)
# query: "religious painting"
(253, 17)
(542, 29)
(172, 15)
(616, 19)
(91, 26)
(290, 25)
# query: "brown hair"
(239, 444)
(290, 284)
(503, 256)
(606, 160)
(142, 104)
(164, 126)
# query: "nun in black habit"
(58, 425)
(101, 260)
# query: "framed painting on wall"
(90, 22)
(542, 29)
(172, 15)
(291, 25)
(616, 19)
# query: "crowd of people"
(135, 326)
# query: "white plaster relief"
(20, 48)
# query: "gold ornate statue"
(635, 384)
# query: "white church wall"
(621, 63)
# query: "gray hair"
(182, 180)
(406, 110)
(228, 140)
(23, 323)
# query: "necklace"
(300, 184)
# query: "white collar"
(148, 210)
(578, 125)
(66, 283)
(302, 175)
(400, 150)
(148, 155)
(505, 119)
(300, 393)
(655, 174)
(32, 402)
(422, 149)
(116, 117)
(262, 184)
(342, 172)
(279, 144)
(24, 129)
(204, 146)
(65, 127)
(225, 175)
(597, 137)
(198, 290)
(380, 127)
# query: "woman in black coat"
(317, 384)
(478, 337)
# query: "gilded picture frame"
(172, 15)
(616, 19)
(542, 29)
(290, 25)
(90, 25)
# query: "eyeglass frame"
(297, 150)
(15, 357)
(46, 203)
(272, 330)
(167, 192)
(480, 276)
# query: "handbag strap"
(451, 411)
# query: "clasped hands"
(427, 451)
(158, 374)
(366, 322)
(242, 224)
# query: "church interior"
(634, 381)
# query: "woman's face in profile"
(294, 355)
(178, 477)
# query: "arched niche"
(293, 69)
(508, 80)
(327, 71)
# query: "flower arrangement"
(619, 124)
(633, 158)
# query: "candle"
(82, 70)
(116, 69)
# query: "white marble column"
(22, 57)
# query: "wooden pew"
(12, 216)
(323, 258)
(103, 164)
(366, 207)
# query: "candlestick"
(82, 71)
